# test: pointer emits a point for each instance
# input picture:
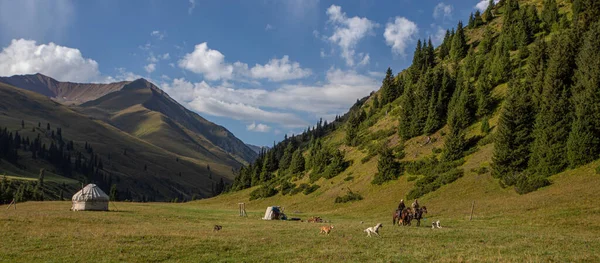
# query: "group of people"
(414, 206)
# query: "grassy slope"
(162, 174)
(557, 223)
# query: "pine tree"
(388, 88)
(583, 145)
(553, 121)
(488, 14)
(387, 167)
(501, 66)
(550, 14)
(478, 21)
(471, 23)
(483, 95)
(513, 135)
(286, 159)
(444, 49)
(458, 49)
(297, 165)
(455, 142)
(406, 113)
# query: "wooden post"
(12, 203)
(242, 207)
(472, 208)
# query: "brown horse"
(402, 217)
(419, 214)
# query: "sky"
(262, 69)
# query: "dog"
(217, 228)
(436, 224)
(326, 229)
(374, 230)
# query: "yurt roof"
(90, 192)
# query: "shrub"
(349, 178)
(598, 169)
(263, 192)
(287, 187)
(436, 174)
(310, 189)
(412, 178)
(527, 184)
(436, 150)
(349, 197)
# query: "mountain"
(509, 98)
(130, 134)
(257, 149)
(64, 92)
(96, 152)
(142, 109)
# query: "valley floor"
(145, 232)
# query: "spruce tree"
(297, 165)
(387, 167)
(388, 88)
(553, 122)
(406, 113)
(455, 142)
(483, 95)
(488, 14)
(286, 159)
(583, 145)
(458, 49)
(513, 135)
(550, 14)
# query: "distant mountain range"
(257, 149)
(134, 116)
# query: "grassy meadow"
(559, 223)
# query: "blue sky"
(260, 68)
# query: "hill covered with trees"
(521, 77)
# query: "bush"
(598, 169)
(480, 170)
(310, 189)
(286, 187)
(436, 174)
(527, 184)
(436, 150)
(263, 192)
(349, 178)
(412, 178)
(349, 197)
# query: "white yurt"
(91, 197)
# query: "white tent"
(91, 197)
(272, 213)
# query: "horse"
(418, 215)
(402, 217)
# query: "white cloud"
(172, 65)
(192, 6)
(165, 56)
(483, 4)
(165, 77)
(122, 75)
(158, 34)
(279, 70)
(443, 11)
(399, 34)
(32, 19)
(258, 127)
(209, 62)
(63, 63)
(335, 96)
(269, 27)
(348, 31)
(150, 68)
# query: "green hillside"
(496, 101)
(97, 152)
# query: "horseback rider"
(401, 205)
(415, 205)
